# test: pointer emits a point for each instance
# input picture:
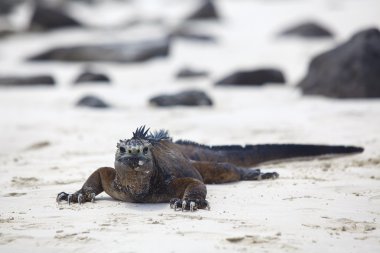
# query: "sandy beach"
(48, 145)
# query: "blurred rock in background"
(184, 98)
(34, 80)
(191, 73)
(7, 6)
(206, 11)
(351, 70)
(89, 76)
(92, 102)
(255, 77)
(49, 18)
(121, 52)
(308, 30)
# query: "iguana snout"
(133, 161)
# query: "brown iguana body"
(150, 168)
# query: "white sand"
(315, 206)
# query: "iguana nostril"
(134, 150)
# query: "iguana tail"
(250, 155)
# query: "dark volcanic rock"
(92, 101)
(122, 52)
(206, 10)
(26, 80)
(254, 77)
(89, 76)
(90, 2)
(7, 6)
(46, 18)
(309, 30)
(351, 70)
(189, 73)
(5, 33)
(185, 98)
(188, 34)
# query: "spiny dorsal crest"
(157, 136)
(140, 133)
(144, 134)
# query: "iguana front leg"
(99, 181)
(190, 194)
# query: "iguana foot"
(256, 174)
(269, 175)
(78, 197)
(189, 204)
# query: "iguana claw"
(93, 197)
(176, 204)
(189, 204)
(192, 206)
(60, 196)
(80, 198)
(207, 205)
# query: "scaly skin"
(150, 168)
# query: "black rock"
(47, 18)
(206, 10)
(27, 80)
(92, 77)
(254, 77)
(5, 33)
(189, 73)
(135, 22)
(351, 70)
(7, 6)
(89, 2)
(308, 30)
(191, 35)
(122, 52)
(92, 101)
(185, 98)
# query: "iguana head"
(134, 162)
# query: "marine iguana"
(151, 168)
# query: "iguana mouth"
(134, 161)
(141, 169)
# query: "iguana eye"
(122, 149)
(145, 150)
